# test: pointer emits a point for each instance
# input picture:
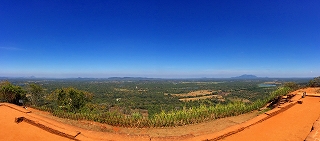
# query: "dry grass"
(239, 100)
(219, 97)
(122, 90)
(195, 93)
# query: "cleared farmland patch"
(197, 95)
(219, 97)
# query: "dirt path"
(292, 125)
(12, 131)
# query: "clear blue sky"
(164, 38)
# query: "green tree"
(71, 99)
(11, 93)
(35, 94)
(315, 82)
(291, 85)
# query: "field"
(197, 95)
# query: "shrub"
(11, 93)
(315, 82)
(70, 99)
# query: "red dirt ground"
(12, 131)
(293, 124)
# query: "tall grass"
(175, 118)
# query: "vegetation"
(70, 99)
(314, 82)
(148, 102)
(35, 94)
(177, 117)
(11, 93)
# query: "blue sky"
(165, 38)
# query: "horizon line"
(144, 77)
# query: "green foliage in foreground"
(35, 92)
(11, 93)
(315, 82)
(175, 118)
(70, 99)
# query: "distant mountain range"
(245, 76)
(130, 78)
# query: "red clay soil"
(290, 124)
(12, 131)
(293, 124)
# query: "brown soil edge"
(172, 138)
(34, 121)
(43, 126)
(46, 128)
(258, 119)
(314, 134)
(15, 107)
